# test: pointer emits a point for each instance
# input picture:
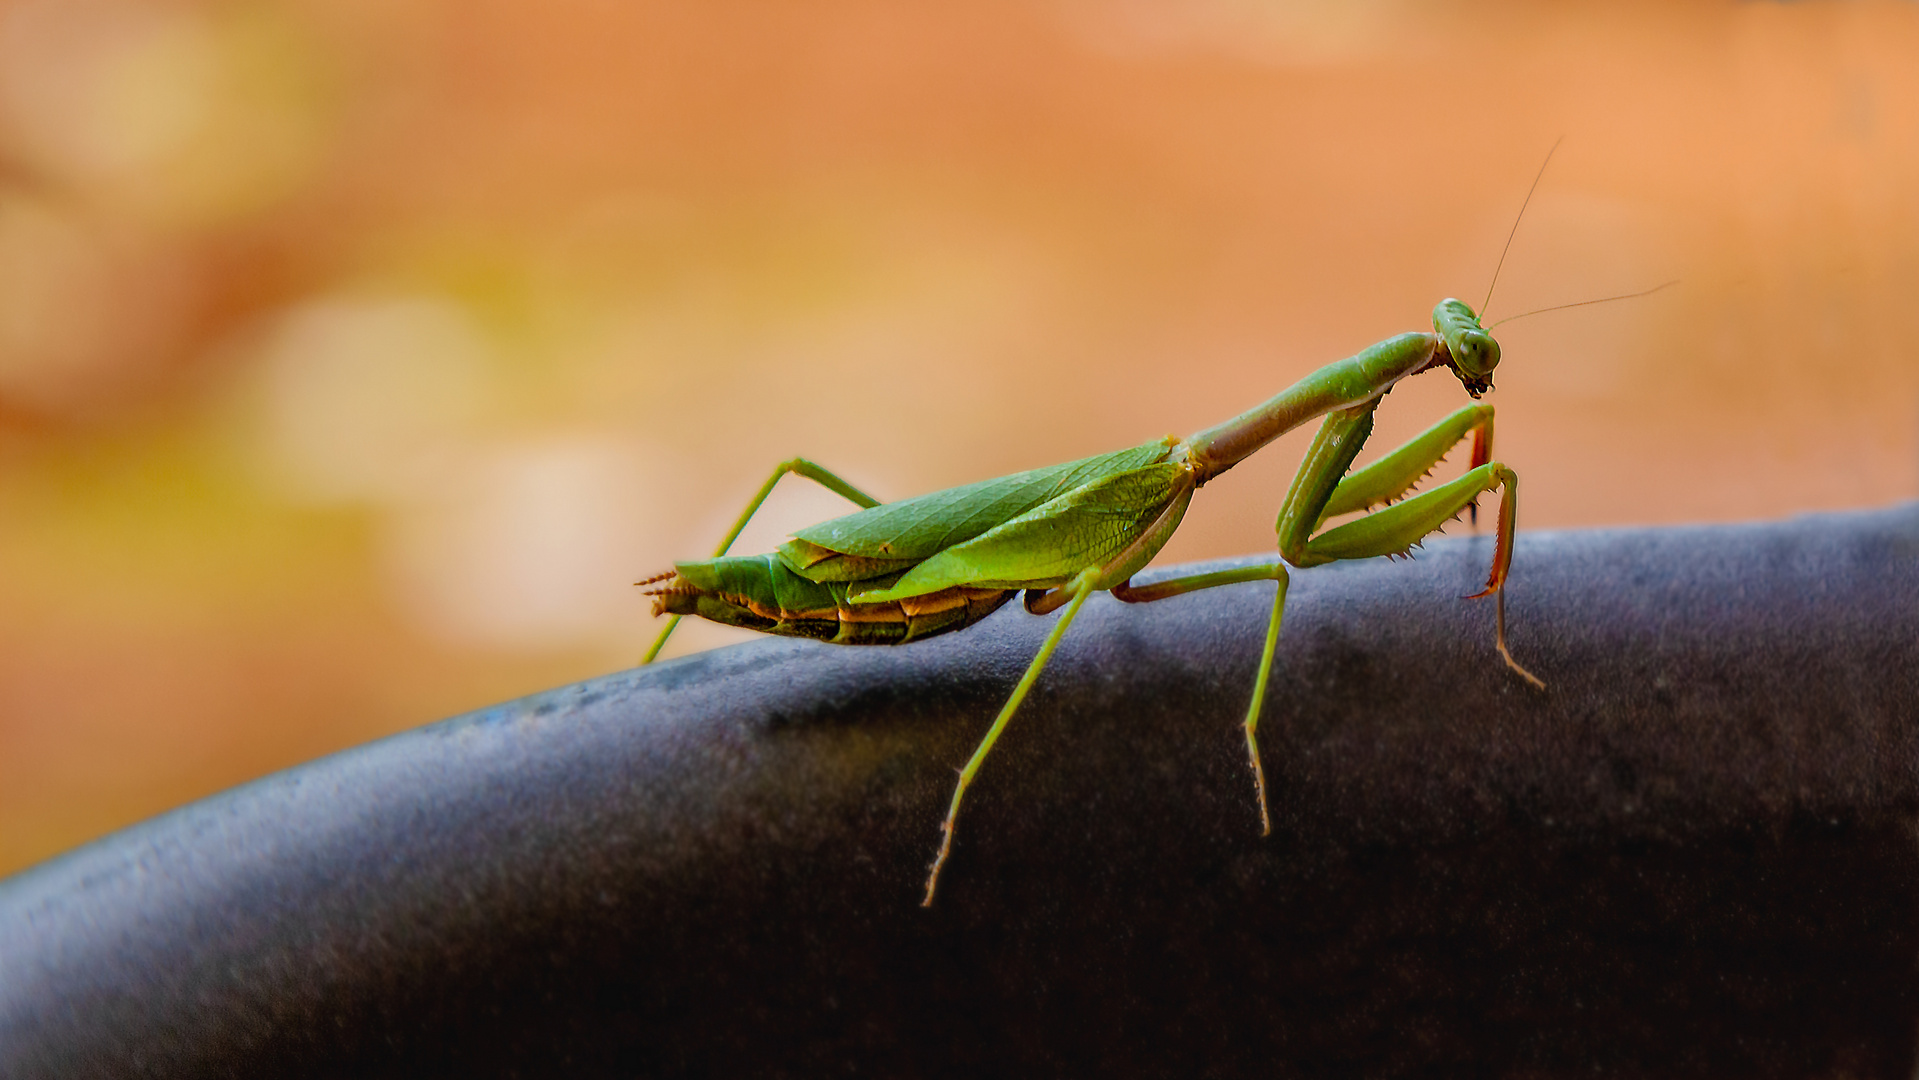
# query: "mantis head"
(1473, 354)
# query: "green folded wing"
(765, 579)
(816, 563)
(918, 528)
(1046, 546)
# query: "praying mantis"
(895, 573)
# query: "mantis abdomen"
(760, 592)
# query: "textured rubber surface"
(1694, 854)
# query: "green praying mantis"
(894, 573)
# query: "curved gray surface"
(1694, 854)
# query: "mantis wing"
(764, 578)
(904, 532)
(1047, 545)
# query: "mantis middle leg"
(1160, 590)
(798, 466)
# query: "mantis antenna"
(1515, 230)
(1583, 303)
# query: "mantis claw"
(946, 846)
(1499, 641)
(1259, 782)
(1538, 683)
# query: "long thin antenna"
(1522, 215)
(1583, 303)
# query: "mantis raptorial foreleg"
(1394, 530)
(1316, 496)
(1396, 473)
(797, 466)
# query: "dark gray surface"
(1693, 855)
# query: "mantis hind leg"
(1319, 491)
(797, 466)
(1041, 601)
(1082, 587)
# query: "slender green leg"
(1160, 590)
(798, 466)
(1082, 587)
(1041, 602)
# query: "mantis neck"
(1340, 385)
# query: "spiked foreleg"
(797, 466)
(1396, 529)
(1395, 474)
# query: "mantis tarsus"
(898, 572)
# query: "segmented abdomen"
(759, 592)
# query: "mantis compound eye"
(1473, 350)
(1477, 353)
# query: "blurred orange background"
(356, 355)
